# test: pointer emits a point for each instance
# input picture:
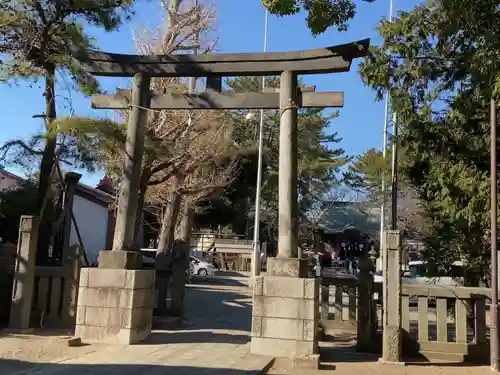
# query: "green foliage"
(14, 202)
(439, 62)
(364, 174)
(319, 157)
(321, 14)
(81, 144)
(38, 35)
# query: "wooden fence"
(438, 323)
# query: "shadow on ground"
(216, 310)
(192, 337)
(219, 280)
(14, 367)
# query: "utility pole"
(494, 344)
(258, 191)
(384, 154)
(394, 167)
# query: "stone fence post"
(366, 318)
(391, 319)
(72, 266)
(24, 273)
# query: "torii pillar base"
(115, 300)
(285, 313)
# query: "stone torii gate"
(284, 321)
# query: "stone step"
(252, 364)
(442, 357)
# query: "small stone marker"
(74, 341)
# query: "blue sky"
(239, 28)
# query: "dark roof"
(82, 190)
(363, 216)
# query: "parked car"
(201, 268)
(148, 261)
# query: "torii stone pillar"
(285, 312)
(287, 178)
(115, 302)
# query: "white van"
(417, 274)
(417, 270)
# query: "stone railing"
(37, 296)
(438, 322)
(347, 304)
(445, 322)
(339, 301)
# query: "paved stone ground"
(341, 359)
(214, 341)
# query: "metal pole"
(256, 228)
(384, 155)
(494, 344)
(394, 167)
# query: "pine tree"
(319, 157)
(37, 38)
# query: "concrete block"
(116, 306)
(258, 286)
(256, 326)
(306, 363)
(117, 259)
(139, 279)
(282, 348)
(80, 314)
(289, 329)
(135, 335)
(112, 335)
(289, 287)
(105, 316)
(135, 298)
(99, 297)
(82, 296)
(310, 330)
(84, 277)
(279, 307)
(93, 333)
(106, 278)
(287, 267)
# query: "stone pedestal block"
(287, 267)
(115, 306)
(121, 260)
(285, 317)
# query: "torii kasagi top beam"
(334, 59)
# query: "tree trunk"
(186, 225)
(163, 261)
(170, 218)
(46, 168)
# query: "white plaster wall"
(92, 220)
(6, 182)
